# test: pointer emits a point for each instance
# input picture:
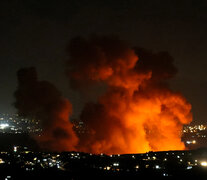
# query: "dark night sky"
(35, 33)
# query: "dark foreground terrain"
(21, 163)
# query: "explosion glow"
(137, 112)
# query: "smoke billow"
(41, 100)
(138, 112)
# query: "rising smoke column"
(163, 130)
(138, 112)
(41, 100)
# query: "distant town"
(19, 161)
(14, 124)
(194, 136)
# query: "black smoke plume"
(42, 101)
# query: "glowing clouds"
(138, 112)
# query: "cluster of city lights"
(194, 135)
(194, 129)
(14, 124)
(4, 125)
(153, 161)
